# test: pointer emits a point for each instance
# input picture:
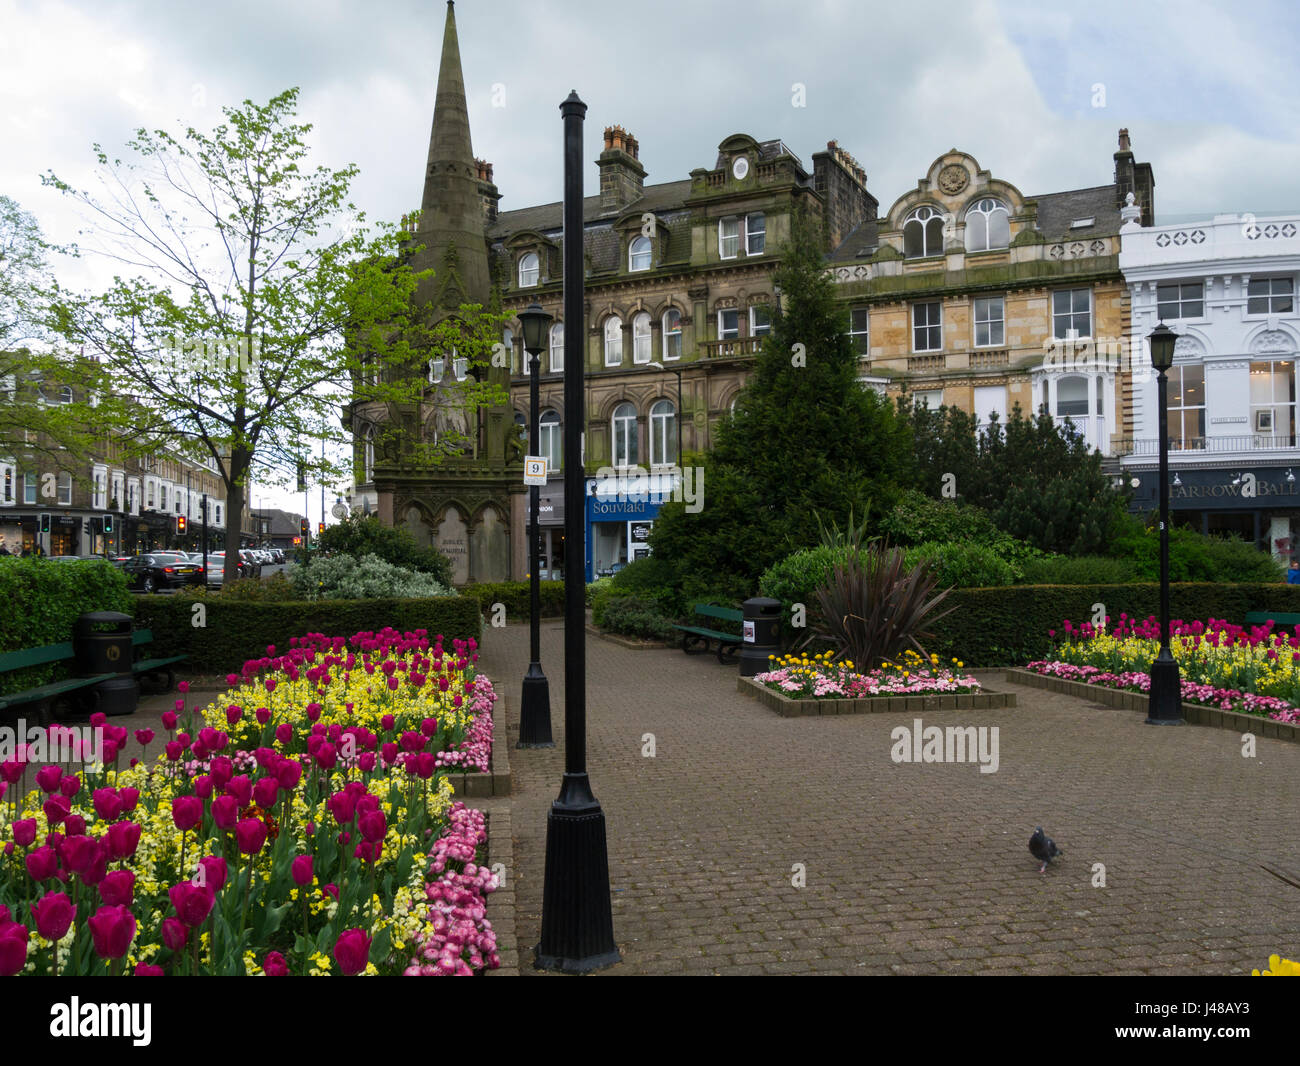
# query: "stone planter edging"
(496, 781)
(1193, 713)
(788, 708)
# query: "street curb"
(496, 781)
(788, 708)
(501, 903)
(1193, 713)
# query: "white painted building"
(1227, 287)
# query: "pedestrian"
(1293, 575)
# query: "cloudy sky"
(1036, 91)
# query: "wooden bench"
(699, 635)
(153, 669)
(44, 696)
(1258, 618)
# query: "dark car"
(161, 570)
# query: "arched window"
(437, 367)
(550, 440)
(557, 348)
(987, 226)
(65, 394)
(923, 233)
(624, 424)
(528, 270)
(613, 340)
(672, 334)
(638, 254)
(663, 433)
(641, 338)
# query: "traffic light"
(108, 523)
(45, 523)
(180, 525)
(304, 529)
(320, 527)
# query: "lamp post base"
(535, 710)
(1165, 705)
(577, 920)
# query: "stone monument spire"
(451, 212)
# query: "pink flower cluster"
(460, 939)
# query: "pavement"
(755, 844)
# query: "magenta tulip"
(25, 832)
(265, 790)
(389, 753)
(112, 929)
(192, 903)
(250, 835)
(288, 774)
(107, 803)
(284, 732)
(387, 721)
(13, 949)
(71, 785)
(225, 812)
(366, 761)
(174, 933)
(203, 786)
(148, 969)
(263, 715)
(301, 870)
(373, 826)
(53, 915)
(169, 718)
(123, 838)
(79, 853)
(234, 714)
(187, 812)
(144, 737)
(48, 778)
(429, 726)
(327, 756)
(241, 788)
(343, 806)
(352, 951)
(275, 966)
(118, 888)
(173, 749)
(214, 871)
(42, 863)
(130, 797)
(56, 809)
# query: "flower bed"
(1252, 671)
(800, 686)
(303, 823)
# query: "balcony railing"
(926, 363)
(1091, 427)
(1254, 442)
(739, 347)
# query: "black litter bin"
(102, 643)
(762, 634)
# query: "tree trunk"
(239, 462)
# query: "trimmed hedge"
(1008, 626)
(240, 630)
(40, 602)
(514, 594)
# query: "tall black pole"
(205, 540)
(1165, 705)
(535, 707)
(577, 920)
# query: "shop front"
(1259, 504)
(18, 534)
(550, 524)
(618, 524)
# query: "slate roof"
(1056, 210)
(859, 244)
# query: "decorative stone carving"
(1272, 342)
(953, 179)
(1188, 347)
(453, 542)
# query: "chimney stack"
(487, 191)
(622, 178)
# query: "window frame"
(750, 234)
(1000, 321)
(633, 253)
(550, 439)
(986, 216)
(735, 221)
(627, 436)
(641, 348)
(663, 427)
(1177, 412)
(616, 336)
(669, 334)
(1270, 296)
(1072, 314)
(913, 217)
(535, 270)
(1180, 300)
(64, 489)
(927, 326)
(734, 334)
(557, 363)
(754, 329)
(863, 351)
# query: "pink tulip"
(250, 835)
(192, 903)
(56, 809)
(48, 778)
(148, 969)
(107, 803)
(301, 870)
(265, 791)
(352, 951)
(187, 812)
(225, 812)
(123, 839)
(112, 929)
(169, 718)
(71, 784)
(25, 832)
(214, 871)
(174, 933)
(118, 888)
(53, 915)
(275, 966)
(13, 949)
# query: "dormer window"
(923, 233)
(528, 270)
(988, 226)
(638, 254)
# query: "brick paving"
(910, 868)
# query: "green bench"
(727, 642)
(45, 696)
(1258, 618)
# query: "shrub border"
(954, 701)
(1193, 713)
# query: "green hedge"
(1009, 626)
(40, 601)
(242, 629)
(514, 594)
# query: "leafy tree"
(259, 299)
(806, 439)
(360, 535)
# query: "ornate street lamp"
(535, 707)
(1165, 705)
(577, 917)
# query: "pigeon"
(1043, 847)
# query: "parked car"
(254, 563)
(161, 570)
(218, 560)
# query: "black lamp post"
(1165, 706)
(577, 922)
(535, 707)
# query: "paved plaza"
(910, 868)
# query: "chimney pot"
(1123, 140)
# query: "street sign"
(534, 470)
(339, 510)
